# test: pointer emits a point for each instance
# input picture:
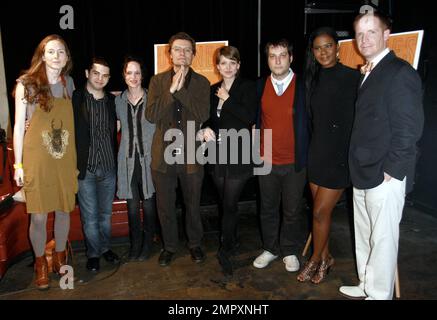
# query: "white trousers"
(377, 214)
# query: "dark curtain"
(283, 19)
(421, 17)
(113, 29)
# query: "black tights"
(229, 191)
(141, 236)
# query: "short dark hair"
(97, 60)
(229, 52)
(322, 31)
(312, 67)
(279, 43)
(384, 19)
(182, 36)
(133, 58)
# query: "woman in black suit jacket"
(233, 106)
(331, 93)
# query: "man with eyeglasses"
(178, 98)
(96, 138)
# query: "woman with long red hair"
(45, 152)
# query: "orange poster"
(406, 45)
(203, 62)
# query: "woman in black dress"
(331, 91)
(233, 106)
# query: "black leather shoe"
(93, 264)
(165, 258)
(111, 257)
(134, 253)
(197, 255)
(145, 254)
(225, 262)
(133, 256)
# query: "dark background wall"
(122, 27)
(413, 16)
(133, 26)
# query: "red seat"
(14, 223)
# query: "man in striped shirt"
(96, 138)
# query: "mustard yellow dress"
(49, 159)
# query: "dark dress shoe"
(93, 264)
(165, 258)
(133, 256)
(145, 254)
(111, 257)
(225, 262)
(197, 255)
(134, 253)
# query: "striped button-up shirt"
(101, 154)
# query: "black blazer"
(388, 123)
(82, 129)
(238, 112)
(300, 120)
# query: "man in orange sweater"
(281, 109)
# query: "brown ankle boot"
(41, 273)
(59, 259)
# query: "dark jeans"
(283, 182)
(141, 236)
(229, 191)
(165, 185)
(96, 193)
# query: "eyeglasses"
(326, 46)
(180, 49)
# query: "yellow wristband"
(18, 166)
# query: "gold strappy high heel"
(308, 271)
(323, 269)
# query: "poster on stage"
(203, 62)
(406, 45)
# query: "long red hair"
(35, 81)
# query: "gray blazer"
(126, 164)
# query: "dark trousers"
(165, 185)
(229, 191)
(141, 236)
(283, 182)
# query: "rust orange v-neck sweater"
(277, 114)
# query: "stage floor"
(185, 280)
